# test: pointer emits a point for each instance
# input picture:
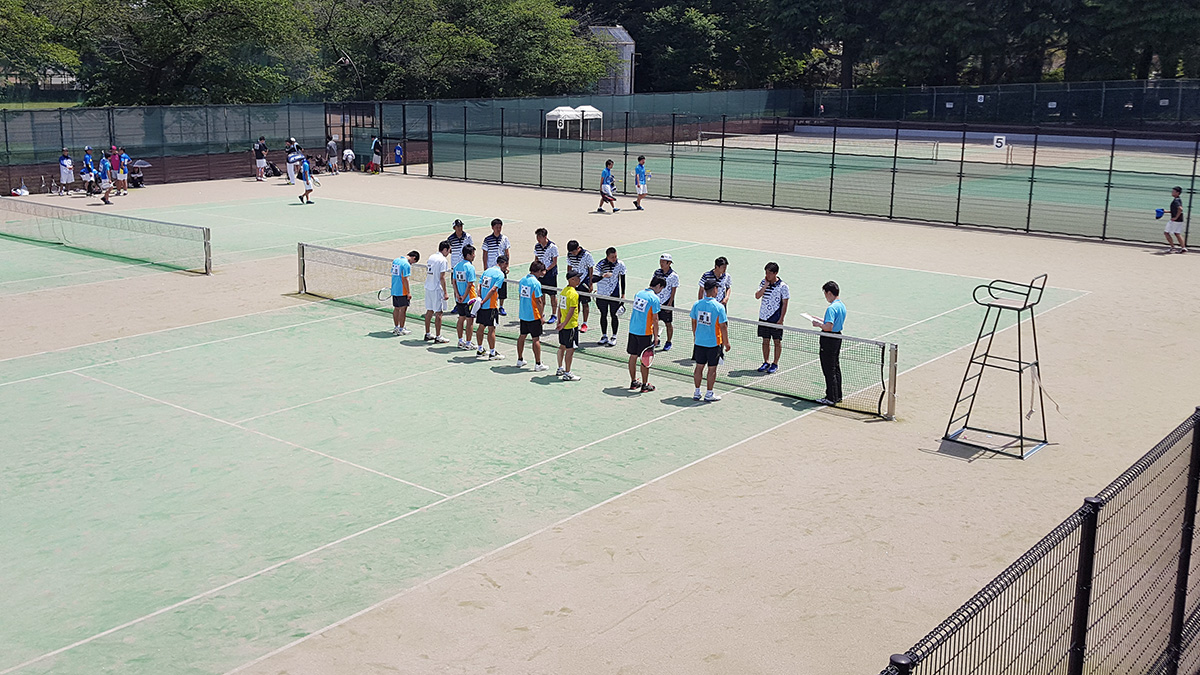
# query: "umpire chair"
(999, 297)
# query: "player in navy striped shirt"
(458, 239)
(494, 246)
(546, 252)
(719, 275)
(774, 295)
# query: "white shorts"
(66, 176)
(121, 175)
(1173, 227)
(260, 163)
(641, 189)
(308, 186)
(434, 302)
(377, 159)
(105, 184)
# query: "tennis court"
(210, 493)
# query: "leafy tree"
(27, 47)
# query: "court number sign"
(999, 142)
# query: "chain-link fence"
(1030, 179)
(1114, 589)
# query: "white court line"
(514, 543)
(73, 274)
(235, 425)
(201, 596)
(176, 349)
(931, 318)
(347, 393)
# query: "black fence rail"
(1103, 184)
(1114, 589)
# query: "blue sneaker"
(667, 347)
(774, 367)
(502, 312)
(763, 367)
(551, 321)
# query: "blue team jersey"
(646, 306)
(124, 161)
(531, 290)
(401, 270)
(709, 315)
(305, 171)
(64, 161)
(87, 164)
(489, 287)
(464, 279)
(606, 177)
(105, 167)
(639, 173)
(836, 315)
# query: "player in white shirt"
(774, 295)
(666, 296)
(494, 246)
(437, 295)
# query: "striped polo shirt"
(580, 261)
(456, 246)
(609, 285)
(494, 247)
(772, 298)
(723, 283)
(546, 254)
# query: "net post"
(1186, 539)
(775, 163)
(1083, 585)
(207, 251)
(1112, 153)
(429, 134)
(962, 156)
(891, 381)
(1032, 172)
(300, 267)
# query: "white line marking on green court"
(235, 425)
(918, 323)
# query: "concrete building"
(619, 79)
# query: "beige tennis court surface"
(214, 474)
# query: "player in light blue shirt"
(533, 304)
(305, 175)
(401, 291)
(465, 291)
(710, 325)
(608, 186)
(488, 315)
(639, 181)
(831, 347)
(106, 170)
(643, 325)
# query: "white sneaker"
(559, 372)
(709, 397)
(521, 363)
(571, 377)
(696, 395)
(462, 344)
(540, 367)
(440, 340)
(396, 330)
(495, 356)
(404, 331)
(470, 345)
(480, 351)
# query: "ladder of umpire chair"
(998, 297)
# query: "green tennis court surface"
(241, 231)
(188, 500)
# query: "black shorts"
(638, 344)
(462, 309)
(400, 300)
(706, 356)
(665, 316)
(569, 337)
(503, 291)
(533, 328)
(770, 333)
(550, 282)
(486, 317)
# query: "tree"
(681, 46)
(27, 48)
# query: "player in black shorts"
(532, 303)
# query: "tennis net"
(868, 366)
(182, 247)
(798, 142)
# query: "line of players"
(479, 299)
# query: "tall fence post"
(429, 133)
(1191, 190)
(832, 164)
(112, 129)
(1112, 154)
(721, 165)
(541, 141)
(671, 178)
(962, 157)
(1032, 172)
(903, 663)
(1083, 585)
(895, 159)
(404, 138)
(207, 142)
(501, 146)
(7, 153)
(379, 127)
(162, 148)
(581, 150)
(62, 136)
(625, 171)
(775, 163)
(1186, 539)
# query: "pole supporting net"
(181, 247)
(868, 367)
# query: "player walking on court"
(465, 292)
(376, 155)
(105, 174)
(608, 186)
(494, 246)
(305, 176)
(568, 327)
(612, 280)
(643, 325)
(580, 260)
(458, 239)
(1175, 224)
(831, 347)
(490, 284)
(774, 296)
(666, 295)
(546, 252)
(260, 159)
(401, 293)
(436, 295)
(639, 182)
(710, 328)
(720, 275)
(331, 155)
(532, 306)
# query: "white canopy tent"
(562, 116)
(588, 113)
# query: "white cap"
(665, 256)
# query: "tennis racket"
(316, 181)
(621, 310)
(647, 356)
(384, 294)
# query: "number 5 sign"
(999, 142)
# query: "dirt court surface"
(815, 542)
